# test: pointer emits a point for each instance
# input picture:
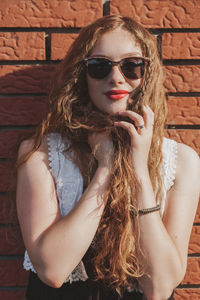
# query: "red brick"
(9, 140)
(187, 294)
(181, 45)
(12, 273)
(25, 79)
(188, 137)
(10, 242)
(194, 245)
(155, 13)
(51, 13)
(182, 78)
(22, 45)
(5, 208)
(197, 217)
(60, 43)
(184, 110)
(7, 211)
(5, 175)
(193, 271)
(12, 294)
(22, 111)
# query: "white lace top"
(69, 185)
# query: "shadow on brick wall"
(23, 105)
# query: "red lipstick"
(116, 94)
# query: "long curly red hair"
(117, 258)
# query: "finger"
(127, 126)
(148, 116)
(138, 119)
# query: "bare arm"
(56, 245)
(164, 242)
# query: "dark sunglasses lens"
(133, 69)
(98, 68)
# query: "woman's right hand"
(102, 147)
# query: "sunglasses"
(131, 67)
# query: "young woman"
(105, 203)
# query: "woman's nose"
(116, 76)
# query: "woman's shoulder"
(187, 160)
(184, 155)
(179, 160)
(186, 167)
(182, 150)
(48, 141)
(27, 150)
(187, 151)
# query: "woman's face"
(113, 93)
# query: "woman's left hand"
(141, 135)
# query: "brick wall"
(34, 35)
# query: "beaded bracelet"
(148, 210)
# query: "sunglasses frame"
(117, 63)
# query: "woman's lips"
(116, 94)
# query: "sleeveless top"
(69, 185)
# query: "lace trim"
(78, 274)
(53, 154)
(55, 148)
(67, 176)
(170, 152)
(27, 263)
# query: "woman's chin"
(113, 111)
